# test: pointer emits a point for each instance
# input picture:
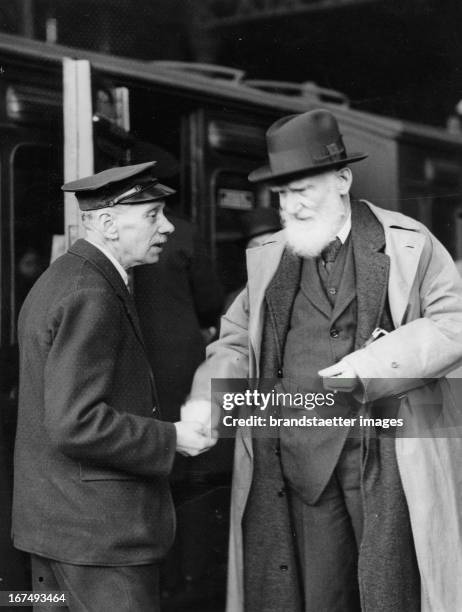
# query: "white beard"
(307, 238)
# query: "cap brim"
(107, 177)
(151, 194)
(264, 173)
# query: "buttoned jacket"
(91, 458)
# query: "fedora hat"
(307, 143)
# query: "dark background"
(400, 58)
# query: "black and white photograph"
(231, 305)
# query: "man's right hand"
(193, 438)
(197, 410)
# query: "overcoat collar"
(280, 296)
(262, 263)
(404, 239)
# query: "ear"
(345, 179)
(107, 222)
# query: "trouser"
(133, 588)
(328, 536)
(355, 546)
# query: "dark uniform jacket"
(91, 456)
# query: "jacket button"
(332, 290)
(277, 451)
(394, 364)
(279, 373)
(154, 408)
(281, 492)
(283, 568)
(334, 333)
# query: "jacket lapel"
(86, 250)
(261, 270)
(130, 308)
(371, 270)
(312, 288)
(347, 287)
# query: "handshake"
(194, 433)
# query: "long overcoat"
(425, 299)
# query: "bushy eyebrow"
(297, 189)
(285, 188)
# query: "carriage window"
(234, 198)
(37, 213)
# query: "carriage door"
(221, 151)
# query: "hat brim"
(264, 174)
(151, 194)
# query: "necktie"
(329, 254)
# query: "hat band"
(293, 160)
(335, 152)
(130, 192)
(125, 194)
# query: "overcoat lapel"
(371, 270)
(260, 271)
(280, 296)
(405, 248)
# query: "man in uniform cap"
(91, 496)
(365, 303)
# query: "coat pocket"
(88, 473)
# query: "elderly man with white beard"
(366, 303)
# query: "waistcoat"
(321, 331)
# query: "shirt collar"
(111, 258)
(345, 229)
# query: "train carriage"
(65, 113)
